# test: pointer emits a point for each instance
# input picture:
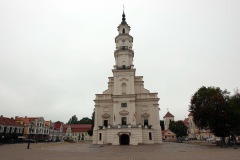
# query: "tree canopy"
(234, 113)
(90, 132)
(214, 109)
(178, 128)
(84, 120)
(73, 120)
(162, 124)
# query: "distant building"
(194, 132)
(10, 130)
(77, 132)
(58, 129)
(167, 119)
(168, 135)
(52, 133)
(35, 127)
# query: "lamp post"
(29, 135)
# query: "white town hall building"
(126, 113)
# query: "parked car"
(186, 139)
(209, 139)
(179, 140)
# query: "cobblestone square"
(79, 151)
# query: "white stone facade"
(126, 113)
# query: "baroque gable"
(106, 115)
(145, 115)
(123, 113)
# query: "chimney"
(25, 116)
(16, 117)
(1, 117)
(11, 117)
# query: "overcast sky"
(55, 55)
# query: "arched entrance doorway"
(124, 139)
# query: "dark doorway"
(105, 123)
(124, 139)
(124, 120)
(145, 122)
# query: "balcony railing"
(125, 126)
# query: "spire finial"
(123, 16)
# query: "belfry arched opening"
(124, 139)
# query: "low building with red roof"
(10, 130)
(168, 135)
(77, 132)
(58, 129)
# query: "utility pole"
(29, 135)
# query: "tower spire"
(123, 18)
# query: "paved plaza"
(79, 151)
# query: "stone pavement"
(79, 151)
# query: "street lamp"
(29, 135)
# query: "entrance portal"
(124, 139)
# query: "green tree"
(210, 110)
(162, 124)
(178, 128)
(73, 120)
(85, 120)
(234, 113)
(90, 132)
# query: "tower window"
(123, 31)
(124, 120)
(145, 122)
(123, 104)
(124, 86)
(150, 135)
(100, 136)
(105, 123)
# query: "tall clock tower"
(123, 53)
(126, 113)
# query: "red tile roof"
(168, 130)
(9, 122)
(47, 123)
(77, 127)
(26, 120)
(163, 131)
(57, 125)
(168, 115)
